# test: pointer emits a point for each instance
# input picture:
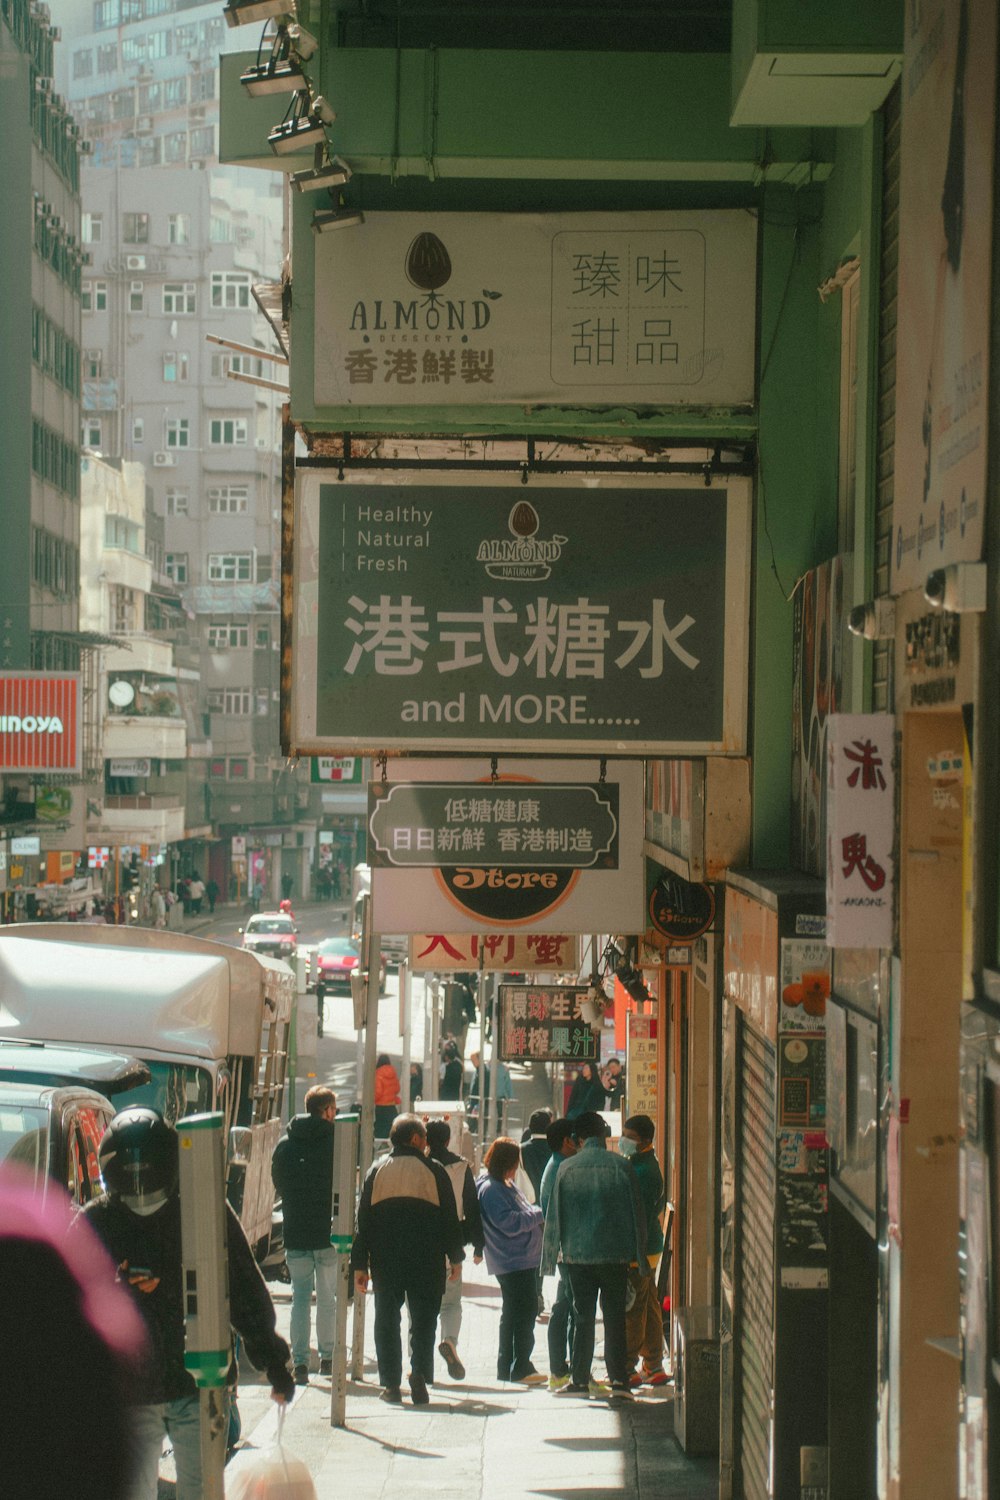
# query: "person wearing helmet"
(139, 1220)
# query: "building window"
(230, 289)
(229, 500)
(263, 703)
(175, 146)
(150, 151)
(138, 430)
(217, 767)
(177, 502)
(92, 359)
(179, 297)
(135, 296)
(230, 567)
(123, 621)
(91, 433)
(214, 701)
(175, 365)
(228, 432)
(177, 432)
(228, 636)
(179, 229)
(92, 229)
(239, 768)
(94, 296)
(83, 63)
(135, 229)
(175, 565)
(106, 13)
(203, 141)
(262, 638)
(236, 701)
(120, 532)
(107, 57)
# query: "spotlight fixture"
(632, 981)
(327, 172)
(302, 43)
(875, 620)
(304, 125)
(246, 12)
(336, 218)
(279, 73)
(959, 587)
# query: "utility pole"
(370, 953)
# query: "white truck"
(395, 947)
(212, 1023)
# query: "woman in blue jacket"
(512, 1229)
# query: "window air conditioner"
(135, 262)
(164, 460)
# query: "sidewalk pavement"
(479, 1439)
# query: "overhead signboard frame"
(463, 614)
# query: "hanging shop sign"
(465, 309)
(39, 721)
(544, 1024)
(945, 243)
(63, 811)
(641, 1066)
(137, 766)
(98, 856)
(238, 845)
(500, 952)
(473, 896)
(28, 844)
(676, 908)
(430, 824)
(860, 872)
(471, 617)
(334, 768)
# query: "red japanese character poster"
(860, 873)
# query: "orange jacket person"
(386, 1095)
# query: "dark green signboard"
(433, 824)
(544, 1024)
(553, 618)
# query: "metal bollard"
(345, 1189)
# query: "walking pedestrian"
(416, 1082)
(512, 1230)
(302, 1172)
(562, 1325)
(644, 1319)
(386, 1095)
(212, 892)
(139, 1220)
(467, 1208)
(595, 1220)
(535, 1152)
(452, 1076)
(196, 891)
(409, 1241)
(586, 1094)
(158, 907)
(257, 895)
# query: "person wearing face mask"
(644, 1318)
(139, 1221)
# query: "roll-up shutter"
(755, 1265)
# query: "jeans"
(562, 1326)
(424, 1306)
(303, 1267)
(518, 1311)
(609, 1280)
(181, 1422)
(451, 1309)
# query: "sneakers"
(595, 1388)
(657, 1377)
(559, 1382)
(635, 1380)
(620, 1391)
(418, 1390)
(326, 1366)
(301, 1374)
(599, 1388)
(449, 1354)
(392, 1395)
(533, 1377)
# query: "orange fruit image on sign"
(811, 992)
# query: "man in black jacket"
(139, 1220)
(302, 1171)
(409, 1238)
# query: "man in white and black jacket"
(409, 1239)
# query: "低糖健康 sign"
(39, 721)
(462, 616)
(544, 1024)
(430, 824)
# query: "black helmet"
(138, 1159)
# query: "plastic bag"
(269, 1474)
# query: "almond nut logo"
(525, 557)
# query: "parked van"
(211, 1022)
(395, 946)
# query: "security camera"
(875, 620)
(960, 587)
